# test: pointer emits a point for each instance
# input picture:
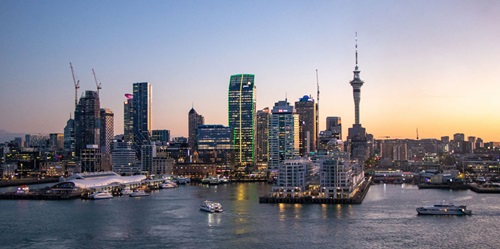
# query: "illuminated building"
(283, 134)
(87, 121)
(306, 108)
(262, 135)
(69, 136)
(241, 118)
(142, 114)
(194, 120)
(128, 119)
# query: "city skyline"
(427, 65)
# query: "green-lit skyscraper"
(241, 118)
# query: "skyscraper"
(107, 130)
(283, 134)
(142, 115)
(241, 118)
(87, 121)
(161, 137)
(334, 124)
(69, 136)
(194, 120)
(262, 135)
(306, 108)
(128, 118)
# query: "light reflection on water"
(172, 219)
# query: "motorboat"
(444, 209)
(23, 189)
(205, 180)
(168, 184)
(214, 181)
(211, 207)
(181, 180)
(139, 193)
(126, 191)
(101, 195)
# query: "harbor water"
(171, 218)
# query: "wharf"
(27, 181)
(356, 199)
(484, 190)
(443, 186)
(39, 195)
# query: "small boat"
(23, 189)
(181, 180)
(205, 180)
(214, 181)
(212, 207)
(168, 184)
(126, 191)
(444, 209)
(101, 195)
(139, 193)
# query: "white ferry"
(444, 209)
(139, 193)
(212, 207)
(101, 195)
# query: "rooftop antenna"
(356, 49)
(76, 83)
(96, 83)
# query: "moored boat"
(23, 189)
(211, 206)
(444, 209)
(101, 195)
(168, 184)
(139, 193)
(126, 191)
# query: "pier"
(356, 199)
(39, 195)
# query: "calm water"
(171, 219)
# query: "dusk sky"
(431, 65)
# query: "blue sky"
(431, 65)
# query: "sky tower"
(356, 84)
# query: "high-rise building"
(69, 136)
(306, 108)
(56, 141)
(90, 158)
(148, 153)
(107, 130)
(284, 137)
(334, 124)
(194, 120)
(123, 158)
(214, 144)
(128, 118)
(262, 135)
(87, 121)
(142, 115)
(241, 118)
(161, 137)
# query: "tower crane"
(76, 83)
(96, 83)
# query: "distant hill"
(6, 136)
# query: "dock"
(39, 195)
(356, 199)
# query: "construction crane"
(97, 84)
(77, 84)
(317, 110)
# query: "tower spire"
(356, 47)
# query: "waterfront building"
(148, 153)
(294, 176)
(94, 180)
(90, 158)
(124, 158)
(162, 166)
(161, 137)
(69, 136)
(306, 108)
(262, 136)
(195, 170)
(128, 119)
(56, 141)
(339, 176)
(194, 120)
(334, 124)
(214, 144)
(142, 105)
(87, 121)
(241, 118)
(283, 134)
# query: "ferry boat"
(444, 209)
(181, 180)
(211, 207)
(23, 189)
(101, 195)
